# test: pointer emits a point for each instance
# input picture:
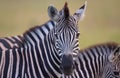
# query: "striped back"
(10, 42)
(17, 41)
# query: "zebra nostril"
(116, 73)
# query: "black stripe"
(87, 65)
(40, 61)
(17, 41)
(75, 75)
(9, 39)
(50, 59)
(7, 59)
(0, 49)
(91, 63)
(77, 69)
(82, 67)
(14, 63)
(95, 59)
(34, 60)
(46, 26)
(98, 59)
(5, 43)
(43, 32)
(21, 62)
(30, 67)
(45, 60)
(53, 24)
(1, 56)
(55, 57)
(32, 38)
(25, 59)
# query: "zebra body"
(25, 46)
(45, 52)
(99, 61)
(17, 41)
(10, 42)
(24, 63)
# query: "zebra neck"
(39, 32)
(51, 43)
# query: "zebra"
(17, 41)
(45, 55)
(98, 61)
(10, 42)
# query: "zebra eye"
(77, 34)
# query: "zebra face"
(66, 36)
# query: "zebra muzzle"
(67, 65)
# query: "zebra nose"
(67, 64)
(116, 73)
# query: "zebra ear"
(79, 14)
(53, 13)
(115, 54)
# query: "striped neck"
(38, 32)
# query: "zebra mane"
(111, 45)
(33, 29)
(66, 10)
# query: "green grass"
(101, 23)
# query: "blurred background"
(101, 22)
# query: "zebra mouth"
(67, 70)
(67, 64)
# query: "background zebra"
(45, 55)
(99, 61)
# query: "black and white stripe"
(10, 42)
(34, 58)
(99, 61)
(7, 43)
(46, 51)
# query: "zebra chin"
(67, 64)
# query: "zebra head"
(114, 59)
(66, 35)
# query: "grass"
(101, 23)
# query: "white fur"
(81, 13)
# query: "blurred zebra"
(45, 55)
(99, 61)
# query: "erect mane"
(32, 29)
(66, 10)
